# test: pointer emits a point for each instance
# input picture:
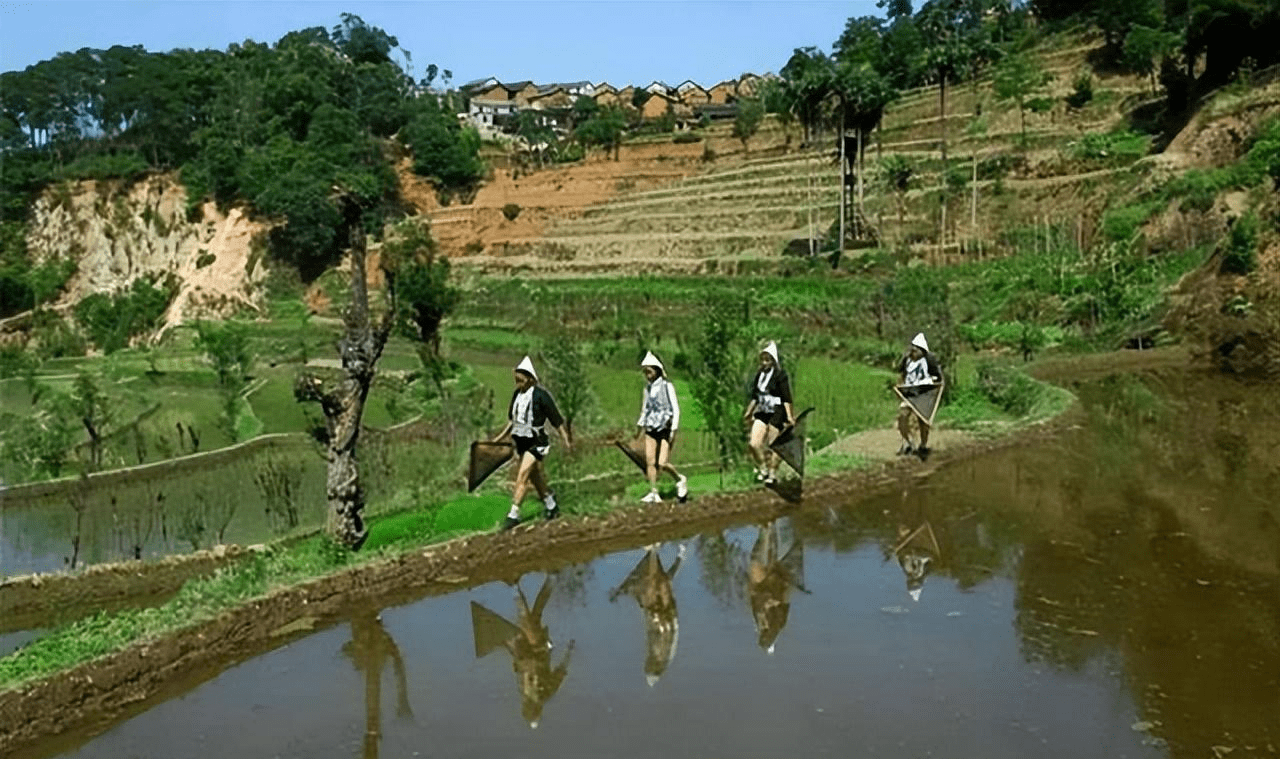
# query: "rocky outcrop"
(118, 232)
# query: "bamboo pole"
(843, 189)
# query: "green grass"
(198, 600)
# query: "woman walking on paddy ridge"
(530, 410)
(658, 422)
(769, 412)
(916, 370)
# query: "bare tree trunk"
(343, 400)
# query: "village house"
(494, 104)
(723, 92)
(692, 94)
(748, 85)
(483, 112)
(715, 111)
(658, 105)
(520, 92)
(606, 95)
(551, 96)
(658, 88)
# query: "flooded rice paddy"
(1112, 593)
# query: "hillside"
(1081, 179)
(662, 207)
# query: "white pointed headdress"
(920, 342)
(652, 360)
(526, 366)
(772, 350)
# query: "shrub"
(1240, 255)
(1122, 222)
(1008, 388)
(686, 138)
(1083, 90)
(511, 211)
(111, 320)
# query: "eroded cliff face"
(118, 232)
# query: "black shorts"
(662, 434)
(530, 445)
(778, 419)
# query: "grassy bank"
(600, 488)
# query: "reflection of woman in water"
(771, 575)
(369, 648)
(914, 556)
(650, 584)
(529, 643)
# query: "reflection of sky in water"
(12, 641)
(1095, 595)
(859, 668)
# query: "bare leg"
(527, 466)
(539, 479)
(771, 458)
(664, 461)
(523, 475)
(757, 444)
(924, 435)
(905, 417)
(651, 448)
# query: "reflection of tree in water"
(650, 584)
(528, 641)
(776, 566)
(723, 565)
(369, 649)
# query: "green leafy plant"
(1239, 252)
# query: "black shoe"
(550, 514)
(510, 522)
(923, 452)
(905, 450)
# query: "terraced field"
(680, 213)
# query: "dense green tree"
(603, 129)
(808, 79)
(442, 149)
(423, 290)
(1145, 48)
(746, 122)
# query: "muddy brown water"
(1114, 592)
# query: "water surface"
(1111, 593)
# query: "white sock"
(515, 511)
(549, 501)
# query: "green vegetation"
(1239, 255)
(274, 126)
(429, 519)
(112, 320)
(1020, 79)
(1198, 188)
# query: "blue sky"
(621, 42)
